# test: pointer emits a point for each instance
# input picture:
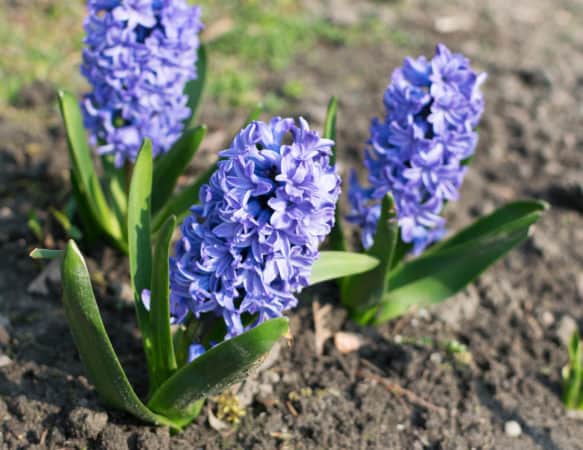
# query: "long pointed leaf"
(573, 378)
(169, 167)
(139, 245)
(195, 88)
(331, 265)
(181, 202)
(162, 345)
(221, 366)
(367, 289)
(115, 185)
(330, 125)
(337, 239)
(527, 211)
(85, 176)
(97, 354)
(435, 277)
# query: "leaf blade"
(194, 88)
(435, 277)
(337, 239)
(216, 369)
(171, 166)
(89, 188)
(335, 264)
(365, 290)
(497, 221)
(139, 235)
(181, 202)
(95, 349)
(162, 343)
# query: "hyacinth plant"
(210, 313)
(416, 159)
(147, 69)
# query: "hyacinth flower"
(146, 68)
(212, 311)
(416, 159)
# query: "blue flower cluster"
(252, 241)
(138, 57)
(417, 152)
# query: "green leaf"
(195, 88)
(45, 253)
(337, 239)
(330, 125)
(162, 345)
(89, 190)
(573, 375)
(254, 114)
(71, 230)
(331, 265)
(97, 354)
(169, 167)
(434, 277)
(181, 202)
(91, 230)
(221, 366)
(367, 289)
(34, 225)
(525, 211)
(116, 189)
(139, 245)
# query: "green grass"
(43, 40)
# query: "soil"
(402, 389)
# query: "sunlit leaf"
(97, 354)
(362, 291)
(139, 239)
(169, 167)
(331, 265)
(162, 346)
(182, 201)
(87, 183)
(223, 365)
(194, 89)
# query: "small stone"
(272, 377)
(436, 358)
(400, 427)
(126, 294)
(565, 329)
(512, 428)
(348, 342)
(547, 318)
(5, 361)
(86, 423)
(423, 314)
(4, 331)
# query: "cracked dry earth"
(402, 389)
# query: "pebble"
(436, 358)
(512, 428)
(548, 318)
(5, 361)
(565, 329)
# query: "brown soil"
(401, 390)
